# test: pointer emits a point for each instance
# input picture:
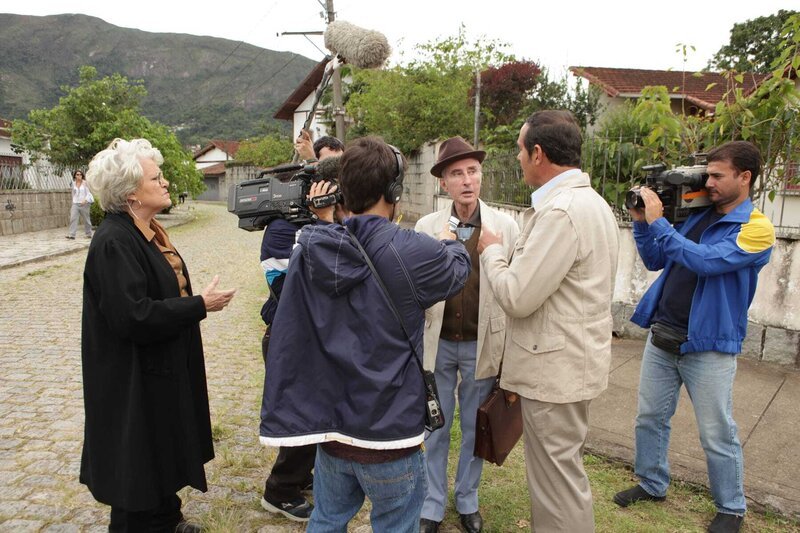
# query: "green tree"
(632, 136)
(266, 151)
(90, 116)
(426, 99)
(769, 116)
(409, 108)
(547, 94)
(753, 46)
(504, 90)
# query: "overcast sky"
(557, 34)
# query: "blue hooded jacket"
(727, 260)
(339, 366)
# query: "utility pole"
(477, 106)
(336, 81)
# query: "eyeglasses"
(160, 179)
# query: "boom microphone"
(357, 46)
(286, 167)
(328, 169)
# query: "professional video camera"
(681, 190)
(257, 202)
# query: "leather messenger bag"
(498, 426)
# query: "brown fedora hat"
(452, 150)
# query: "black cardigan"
(148, 430)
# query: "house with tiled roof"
(298, 105)
(691, 93)
(8, 158)
(694, 93)
(210, 160)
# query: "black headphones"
(394, 190)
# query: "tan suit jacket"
(557, 292)
(491, 318)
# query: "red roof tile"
(229, 147)
(214, 170)
(306, 87)
(693, 85)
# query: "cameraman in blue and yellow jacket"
(697, 314)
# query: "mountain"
(204, 87)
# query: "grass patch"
(505, 504)
(224, 518)
(220, 432)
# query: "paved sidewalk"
(41, 409)
(22, 248)
(766, 399)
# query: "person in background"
(147, 427)
(291, 478)
(82, 200)
(320, 149)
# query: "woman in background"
(148, 432)
(81, 206)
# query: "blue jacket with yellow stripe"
(727, 260)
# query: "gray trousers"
(455, 358)
(555, 433)
(78, 210)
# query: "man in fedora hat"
(464, 334)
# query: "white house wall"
(301, 113)
(212, 157)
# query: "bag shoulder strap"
(386, 294)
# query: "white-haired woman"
(148, 431)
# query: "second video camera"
(281, 192)
(681, 190)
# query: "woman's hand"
(216, 300)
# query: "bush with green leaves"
(92, 114)
(266, 151)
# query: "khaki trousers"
(554, 434)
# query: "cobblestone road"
(41, 400)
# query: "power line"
(225, 60)
(225, 85)
(271, 77)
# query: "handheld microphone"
(357, 46)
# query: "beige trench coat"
(491, 318)
(557, 291)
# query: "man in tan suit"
(463, 335)
(556, 289)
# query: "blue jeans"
(396, 490)
(453, 358)
(708, 377)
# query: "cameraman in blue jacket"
(341, 372)
(697, 314)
